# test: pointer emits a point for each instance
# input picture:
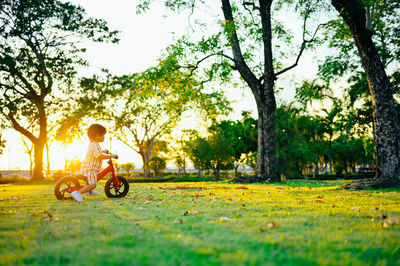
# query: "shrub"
(58, 174)
(13, 179)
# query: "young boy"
(91, 165)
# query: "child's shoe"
(91, 193)
(77, 196)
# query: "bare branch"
(190, 15)
(197, 64)
(20, 129)
(302, 48)
(251, 4)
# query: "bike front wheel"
(111, 190)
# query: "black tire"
(112, 192)
(60, 190)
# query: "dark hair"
(96, 130)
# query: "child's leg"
(92, 180)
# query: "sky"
(142, 40)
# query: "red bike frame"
(108, 169)
(100, 175)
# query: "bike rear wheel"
(111, 190)
(63, 186)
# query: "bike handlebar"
(109, 160)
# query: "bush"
(58, 174)
(13, 179)
(194, 178)
(342, 176)
(133, 174)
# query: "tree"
(73, 165)
(198, 150)
(387, 134)
(243, 22)
(241, 134)
(179, 154)
(214, 152)
(127, 167)
(39, 53)
(150, 104)
(180, 162)
(157, 164)
(310, 92)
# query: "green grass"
(317, 224)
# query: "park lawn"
(302, 222)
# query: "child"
(91, 165)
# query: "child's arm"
(107, 156)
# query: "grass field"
(298, 223)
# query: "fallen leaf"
(222, 219)
(194, 212)
(383, 216)
(300, 202)
(271, 225)
(390, 222)
(15, 198)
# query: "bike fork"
(116, 183)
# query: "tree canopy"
(39, 54)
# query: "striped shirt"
(91, 163)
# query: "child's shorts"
(92, 177)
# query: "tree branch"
(241, 65)
(197, 64)
(20, 129)
(251, 4)
(302, 48)
(370, 15)
(127, 143)
(15, 90)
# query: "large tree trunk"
(145, 158)
(263, 90)
(385, 117)
(38, 165)
(266, 154)
(40, 144)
